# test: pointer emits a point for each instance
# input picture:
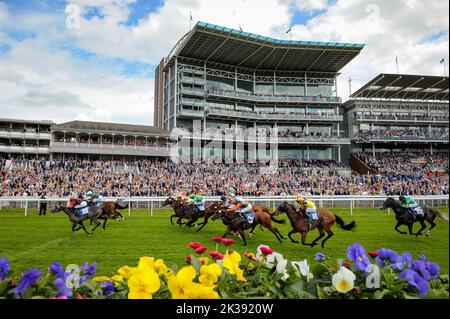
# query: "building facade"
(397, 112)
(231, 85)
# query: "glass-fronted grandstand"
(229, 83)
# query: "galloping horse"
(95, 213)
(324, 223)
(111, 210)
(181, 209)
(403, 218)
(234, 222)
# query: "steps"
(360, 167)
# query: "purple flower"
(415, 280)
(28, 279)
(60, 283)
(357, 254)
(420, 266)
(386, 257)
(107, 288)
(4, 268)
(57, 269)
(89, 271)
(433, 269)
(319, 257)
(403, 261)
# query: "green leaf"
(437, 294)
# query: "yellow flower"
(161, 268)
(203, 260)
(181, 285)
(202, 292)
(231, 264)
(126, 272)
(209, 274)
(142, 285)
(117, 279)
(101, 278)
(146, 262)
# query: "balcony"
(192, 102)
(192, 91)
(192, 80)
(402, 120)
(110, 149)
(190, 113)
(361, 138)
(25, 135)
(273, 98)
(24, 149)
(291, 117)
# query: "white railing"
(151, 203)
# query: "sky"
(94, 59)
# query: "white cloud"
(310, 5)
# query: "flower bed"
(212, 274)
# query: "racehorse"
(181, 210)
(324, 223)
(403, 218)
(111, 210)
(95, 213)
(234, 222)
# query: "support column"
(254, 82)
(274, 83)
(338, 130)
(339, 153)
(307, 152)
(431, 149)
(373, 149)
(235, 79)
(306, 85)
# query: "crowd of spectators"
(402, 116)
(414, 133)
(162, 178)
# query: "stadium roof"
(405, 87)
(209, 42)
(86, 126)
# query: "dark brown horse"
(111, 210)
(181, 210)
(324, 223)
(403, 218)
(95, 213)
(234, 222)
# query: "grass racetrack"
(37, 241)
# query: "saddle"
(415, 212)
(250, 217)
(83, 211)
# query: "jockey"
(182, 197)
(238, 204)
(198, 201)
(72, 202)
(308, 208)
(409, 203)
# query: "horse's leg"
(227, 232)
(397, 226)
(330, 234)
(292, 239)
(84, 228)
(242, 234)
(104, 223)
(75, 229)
(203, 224)
(422, 223)
(275, 231)
(410, 228)
(171, 219)
(432, 223)
(321, 234)
(97, 223)
(304, 240)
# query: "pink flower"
(187, 260)
(216, 255)
(217, 239)
(194, 244)
(346, 264)
(227, 242)
(373, 254)
(266, 250)
(79, 297)
(62, 297)
(200, 250)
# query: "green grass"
(37, 241)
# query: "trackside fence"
(152, 204)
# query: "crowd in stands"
(402, 116)
(162, 178)
(415, 133)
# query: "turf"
(37, 241)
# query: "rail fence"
(154, 203)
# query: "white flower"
(343, 280)
(273, 260)
(303, 268)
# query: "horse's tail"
(118, 206)
(341, 224)
(272, 216)
(441, 215)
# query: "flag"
(240, 28)
(442, 61)
(396, 60)
(289, 30)
(190, 15)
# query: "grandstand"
(401, 116)
(227, 82)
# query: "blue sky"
(107, 65)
